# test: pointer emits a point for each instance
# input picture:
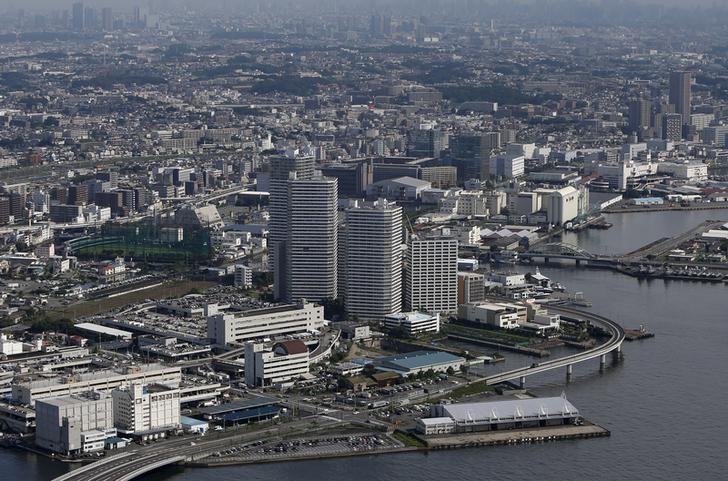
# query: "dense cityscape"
(245, 232)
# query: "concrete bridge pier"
(617, 354)
(569, 371)
(546, 260)
(522, 382)
(602, 362)
(578, 262)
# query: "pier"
(515, 436)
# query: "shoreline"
(437, 443)
(667, 208)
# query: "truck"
(377, 404)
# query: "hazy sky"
(66, 4)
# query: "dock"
(637, 334)
(515, 436)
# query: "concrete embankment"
(516, 436)
(625, 209)
(453, 441)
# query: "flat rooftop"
(239, 405)
(515, 409)
(107, 331)
(418, 359)
(98, 375)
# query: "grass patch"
(166, 291)
(487, 334)
(408, 439)
(478, 387)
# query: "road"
(614, 343)
(663, 247)
(141, 459)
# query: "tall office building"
(77, 16)
(373, 245)
(431, 275)
(680, 94)
(78, 194)
(639, 116)
(303, 231)
(672, 126)
(107, 19)
(353, 177)
(313, 239)
(426, 142)
(140, 408)
(282, 169)
(90, 18)
(471, 153)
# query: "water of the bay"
(665, 404)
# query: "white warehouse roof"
(107, 331)
(515, 410)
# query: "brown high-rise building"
(639, 116)
(78, 194)
(4, 210)
(680, 94)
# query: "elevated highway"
(613, 345)
(141, 460)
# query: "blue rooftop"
(417, 360)
(250, 414)
(187, 421)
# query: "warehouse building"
(75, 424)
(498, 415)
(415, 362)
(242, 411)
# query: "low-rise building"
(498, 415)
(28, 391)
(143, 410)
(413, 323)
(354, 331)
(239, 327)
(501, 315)
(471, 287)
(267, 366)
(691, 171)
(74, 424)
(194, 426)
(243, 276)
(412, 363)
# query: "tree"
(343, 382)
(334, 309)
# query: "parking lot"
(306, 447)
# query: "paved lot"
(306, 447)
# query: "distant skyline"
(66, 4)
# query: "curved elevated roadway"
(129, 465)
(614, 344)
